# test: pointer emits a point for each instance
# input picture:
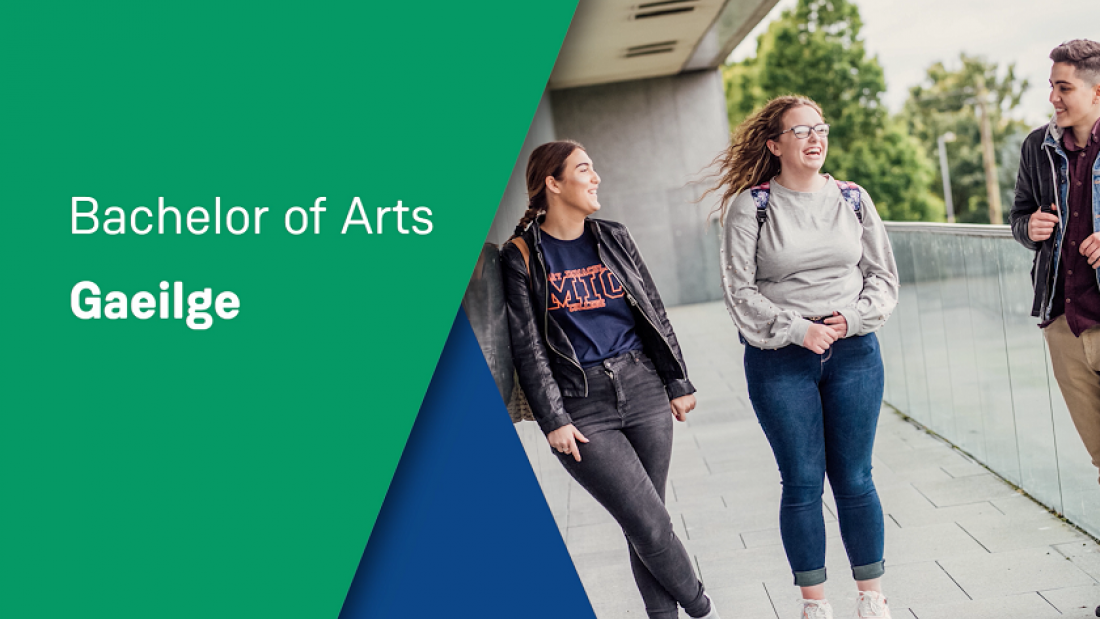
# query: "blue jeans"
(624, 466)
(819, 413)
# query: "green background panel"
(150, 470)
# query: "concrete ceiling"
(618, 40)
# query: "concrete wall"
(649, 139)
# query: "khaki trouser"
(1076, 362)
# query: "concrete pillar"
(649, 140)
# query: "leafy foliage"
(815, 50)
(948, 102)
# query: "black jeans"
(624, 466)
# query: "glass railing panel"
(991, 360)
(961, 262)
(929, 261)
(1028, 369)
(975, 367)
(893, 359)
(912, 348)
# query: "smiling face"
(576, 189)
(800, 155)
(1076, 102)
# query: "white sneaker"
(816, 609)
(871, 605)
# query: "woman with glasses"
(809, 276)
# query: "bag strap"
(524, 251)
(853, 196)
(761, 193)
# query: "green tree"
(815, 50)
(951, 100)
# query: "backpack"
(519, 409)
(849, 190)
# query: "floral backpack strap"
(760, 195)
(853, 197)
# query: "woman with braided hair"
(809, 276)
(600, 365)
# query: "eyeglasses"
(803, 131)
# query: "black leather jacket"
(544, 358)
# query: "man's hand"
(1090, 249)
(1041, 225)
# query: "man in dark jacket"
(1057, 215)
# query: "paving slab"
(919, 583)
(595, 538)
(606, 577)
(1012, 535)
(1021, 508)
(737, 567)
(1074, 602)
(917, 515)
(1084, 554)
(964, 490)
(964, 469)
(1019, 571)
(1022, 606)
(959, 541)
(748, 601)
(930, 543)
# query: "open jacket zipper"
(630, 298)
(1055, 254)
(546, 312)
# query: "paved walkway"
(960, 543)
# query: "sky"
(907, 37)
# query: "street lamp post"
(941, 141)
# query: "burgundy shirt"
(1077, 295)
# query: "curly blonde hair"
(748, 162)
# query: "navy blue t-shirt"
(587, 300)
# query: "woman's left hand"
(681, 406)
(838, 324)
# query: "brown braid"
(546, 160)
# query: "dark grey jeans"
(624, 466)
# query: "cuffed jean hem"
(810, 578)
(870, 571)
(701, 613)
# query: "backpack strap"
(760, 195)
(524, 251)
(849, 190)
(853, 196)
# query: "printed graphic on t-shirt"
(578, 290)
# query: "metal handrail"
(995, 230)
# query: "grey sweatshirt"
(811, 258)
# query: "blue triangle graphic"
(465, 530)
